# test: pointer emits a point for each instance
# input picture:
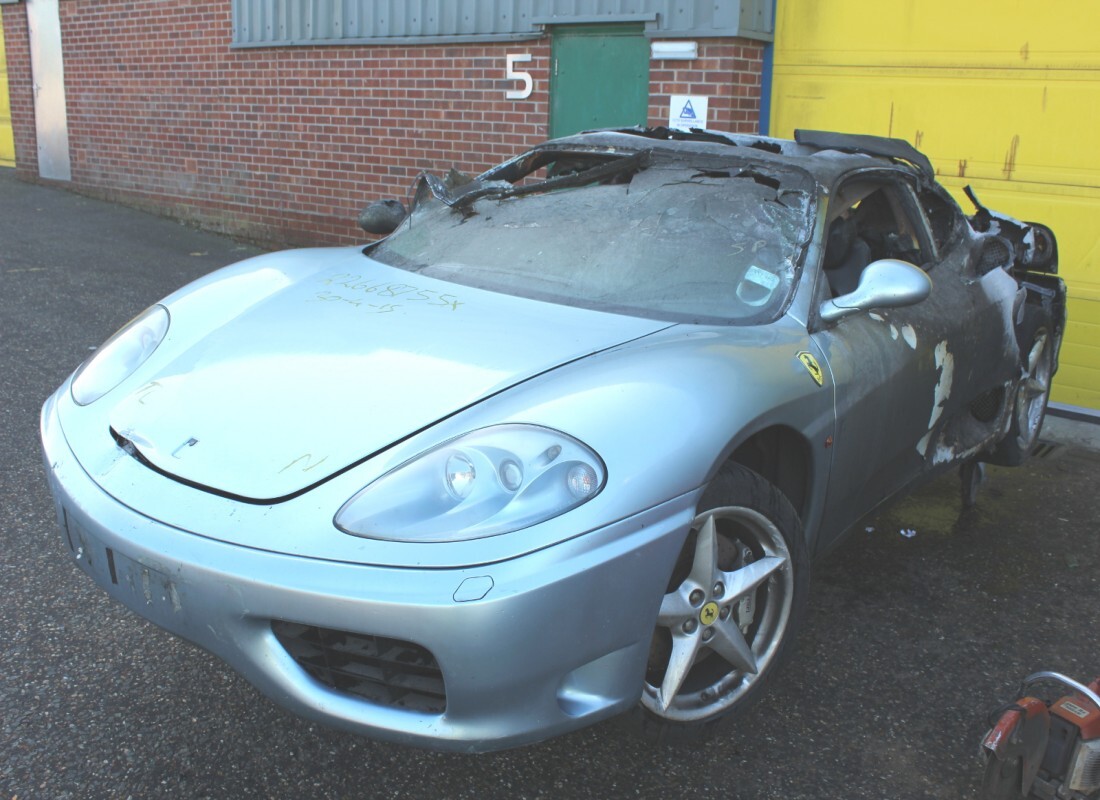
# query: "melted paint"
(945, 363)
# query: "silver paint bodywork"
(297, 390)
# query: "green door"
(599, 79)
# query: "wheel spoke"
(705, 563)
(1036, 386)
(675, 608)
(730, 643)
(742, 581)
(1035, 354)
(684, 649)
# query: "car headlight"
(120, 355)
(492, 481)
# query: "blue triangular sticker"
(688, 112)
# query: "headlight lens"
(492, 481)
(120, 355)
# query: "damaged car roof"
(601, 226)
(826, 155)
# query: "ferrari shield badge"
(812, 367)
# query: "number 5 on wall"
(511, 74)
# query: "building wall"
(728, 71)
(287, 144)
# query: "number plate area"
(141, 587)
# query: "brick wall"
(286, 144)
(20, 89)
(728, 71)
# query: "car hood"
(319, 375)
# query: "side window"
(869, 220)
(943, 216)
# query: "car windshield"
(683, 238)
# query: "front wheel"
(735, 598)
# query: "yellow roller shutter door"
(7, 141)
(1002, 95)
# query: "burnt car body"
(566, 443)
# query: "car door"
(904, 378)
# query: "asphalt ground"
(909, 643)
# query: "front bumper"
(528, 648)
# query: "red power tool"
(1045, 749)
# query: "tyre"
(735, 599)
(1029, 405)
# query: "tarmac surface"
(909, 642)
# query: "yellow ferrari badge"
(708, 615)
(812, 367)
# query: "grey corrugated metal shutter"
(258, 23)
(271, 22)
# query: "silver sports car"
(565, 443)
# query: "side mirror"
(888, 283)
(382, 216)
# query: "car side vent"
(996, 252)
(384, 671)
(986, 407)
